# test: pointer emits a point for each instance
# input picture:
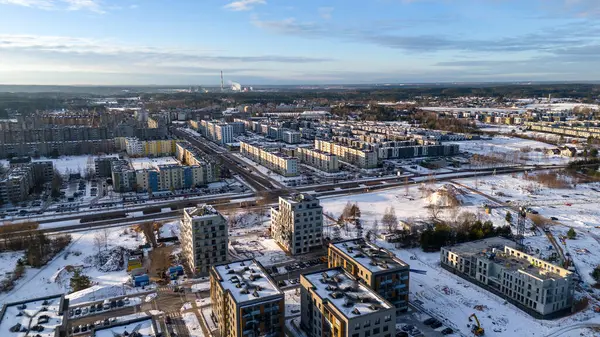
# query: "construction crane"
(476, 329)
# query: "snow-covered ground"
(99, 293)
(54, 278)
(192, 324)
(526, 151)
(8, 262)
(292, 302)
(72, 164)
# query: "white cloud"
(72, 5)
(244, 5)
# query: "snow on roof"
(370, 256)
(37, 312)
(350, 297)
(200, 211)
(151, 163)
(246, 280)
(143, 326)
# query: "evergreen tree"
(571, 234)
(80, 281)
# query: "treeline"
(431, 120)
(39, 248)
(442, 234)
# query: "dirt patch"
(160, 261)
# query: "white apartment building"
(320, 160)
(223, 133)
(204, 238)
(297, 224)
(291, 137)
(534, 285)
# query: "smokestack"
(221, 80)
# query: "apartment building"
(223, 134)
(246, 300)
(376, 267)
(148, 148)
(334, 304)
(276, 161)
(123, 176)
(22, 176)
(297, 224)
(188, 155)
(204, 238)
(351, 155)
(538, 287)
(103, 166)
(291, 137)
(58, 148)
(320, 160)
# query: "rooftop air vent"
(244, 291)
(227, 267)
(355, 311)
(255, 293)
(374, 307)
(359, 255)
(242, 263)
(230, 271)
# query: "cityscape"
(254, 168)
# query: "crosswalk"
(173, 314)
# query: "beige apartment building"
(246, 300)
(204, 238)
(278, 162)
(334, 304)
(320, 160)
(349, 154)
(376, 267)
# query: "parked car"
(120, 303)
(78, 311)
(408, 327)
(429, 321)
(401, 334)
(126, 300)
(436, 324)
(447, 331)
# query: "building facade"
(204, 238)
(351, 155)
(376, 267)
(278, 162)
(246, 300)
(536, 286)
(334, 304)
(291, 137)
(297, 224)
(323, 161)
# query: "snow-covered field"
(54, 278)
(72, 164)
(527, 151)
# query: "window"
(387, 318)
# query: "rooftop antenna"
(221, 80)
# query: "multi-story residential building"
(334, 304)
(123, 176)
(354, 156)
(59, 148)
(291, 137)
(538, 287)
(103, 166)
(22, 176)
(204, 238)
(276, 161)
(223, 134)
(246, 300)
(148, 148)
(188, 155)
(376, 267)
(323, 161)
(297, 224)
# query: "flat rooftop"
(494, 249)
(481, 246)
(370, 256)
(152, 163)
(200, 211)
(246, 280)
(42, 312)
(345, 293)
(145, 327)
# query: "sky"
(188, 42)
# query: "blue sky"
(188, 42)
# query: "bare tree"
(389, 219)
(98, 241)
(375, 229)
